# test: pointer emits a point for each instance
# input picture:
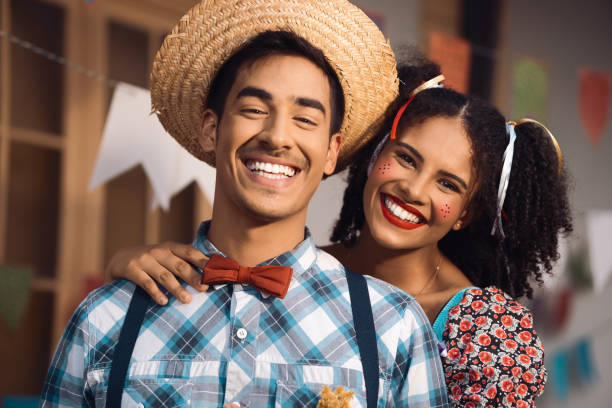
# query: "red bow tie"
(270, 279)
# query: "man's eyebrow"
(255, 92)
(454, 177)
(310, 103)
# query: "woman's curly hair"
(536, 208)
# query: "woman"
(455, 207)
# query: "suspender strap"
(125, 346)
(366, 336)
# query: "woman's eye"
(406, 158)
(449, 185)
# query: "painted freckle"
(383, 168)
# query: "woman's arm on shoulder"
(494, 355)
(153, 265)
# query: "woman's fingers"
(145, 281)
(157, 266)
(178, 259)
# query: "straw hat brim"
(213, 30)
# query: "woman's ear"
(208, 131)
(463, 221)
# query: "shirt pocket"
(148, 387)
(302, 385)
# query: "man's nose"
(277, 133)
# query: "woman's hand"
(153, 265)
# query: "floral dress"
(493, 356)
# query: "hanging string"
(60, 60)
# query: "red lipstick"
(407, 225)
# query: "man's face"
(272, 143)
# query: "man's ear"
(208, 131)
(335, 141)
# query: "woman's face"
(420, 185)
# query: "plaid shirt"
(232, 343)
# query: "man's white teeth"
(400, 213)
(269, 170)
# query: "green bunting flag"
(14, 294)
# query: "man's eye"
(253, 111)
(305, 120)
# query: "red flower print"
(507, 320)
(516, 308)
(488, 371)
(522, 390)
(507, 361)
(466, 338)
(531, 351)
(470, 405)
(516, 371)
(477, 304)
(474, 375)
(525, 336)
(462, 360)
(521, 404)
(459, 377)
(480, 321)
(475, 398)
(476, 291)
(492, 392)
(484, 356)
(454, 310)
(510, 398)
(465, 325)
(475, 388)
(484, 340)
(498, 309)
(456, 391)
(469, 348)
(500, 298)
(507, 386)
(528, 377)
(526, 323)
(500, 333)
(524, 358)
(510, 344)
(454, 353)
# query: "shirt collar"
(301, 258)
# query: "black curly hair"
(536, 208)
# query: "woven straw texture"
(213, 30)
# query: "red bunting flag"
(593, 102)
(453, 55)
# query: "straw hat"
(213, 30)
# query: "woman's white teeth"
(400, 213)
(269, 170)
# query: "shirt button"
(140, 405)
(241, 333)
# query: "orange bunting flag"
(453, 54)
(593, 102)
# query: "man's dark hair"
(275, 43)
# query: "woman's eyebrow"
(414, 151)
(454, 177)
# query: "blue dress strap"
(440, 322)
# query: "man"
(263, 91)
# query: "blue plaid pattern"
(232, 343)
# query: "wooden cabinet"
(51, 122)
